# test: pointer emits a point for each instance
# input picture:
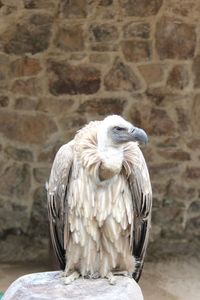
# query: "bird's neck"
(111, 156)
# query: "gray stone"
(49, 285)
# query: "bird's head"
(118, 131)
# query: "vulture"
(100, 201)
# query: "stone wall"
(63, 63)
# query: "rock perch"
(50, 286)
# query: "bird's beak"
(139, 135)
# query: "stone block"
(25, 66)
(121, 78)
(152, 73)
(29, 87)
(70, 38)
(73, 79)
(39, 4)
(39, 224)
(4, 101)
(49, 285)
(136, 51)
(175, 39)
(74, 9)
(155, 121)
(141, 8)
(196, 71)
(41, 174)
(15, 180)
(26, 128)
(56, 106)
(178, 77)
(19, 154)
(33, 30)
(192, 172)
(136, 30)
(103, 32)
(26, 103)
(103, 106)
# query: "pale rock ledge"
(50, 286)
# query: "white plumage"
(99, 201)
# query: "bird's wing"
(140, 187)
(57, 200)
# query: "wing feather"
(57, 200)
(140, 187)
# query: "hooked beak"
(139, 135)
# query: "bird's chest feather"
(93, 201)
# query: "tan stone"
(70, 38)
(25, 66)
(55, 106)
(103, 106)
(152, 73)
(179, 155)
(178, 77)
(175, 39)
(155, 121)
(121, 78)
(196, 114)
(29, 87)
(74, 122)
(26, 103)
(26, 128)
(99, 58)
(74, 9)
(136, 51)
(196, 71)
(142, 8)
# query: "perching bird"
(100, 200)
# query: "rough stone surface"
(69, 79)
(74, 9)
(142, 8)
(26, 129)
(121, 77)
(24, 66)
(34, 31)
(178, 77)
(48, 285)
(70, 38)
(64, 63)
(15, 180)
(152, 73)
(196, 71)
(104, 32)
(175, 39)
(136, 51)
(136, 30)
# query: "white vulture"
(100, 200)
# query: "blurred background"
(64, 63)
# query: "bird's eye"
(119, 128)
